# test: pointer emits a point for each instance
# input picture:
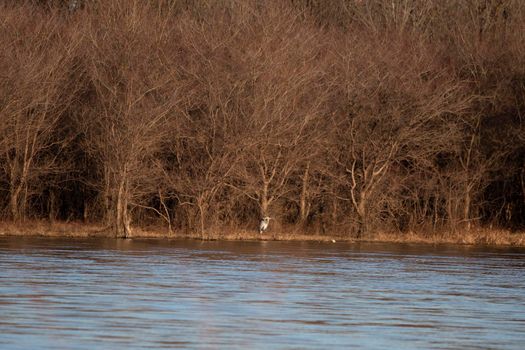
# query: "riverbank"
(479, 236)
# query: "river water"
(132, 294)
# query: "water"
(112, 294)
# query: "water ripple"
(107, 294)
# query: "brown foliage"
(342, 115)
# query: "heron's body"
(263, 226)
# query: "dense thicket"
(330, 116)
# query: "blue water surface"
(137, 294)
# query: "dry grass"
(51, 229)
(236, 235)
(477, 236)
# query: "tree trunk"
(435, 214)
(466, 209)
(523, 183)
(303, 206)
(85, 212)
(108, 199)
(166, 212)
(18, 190)
(52, 212)
(264, 201)
(13, 204)
(334, 210)
(118, 215)
(122, 225)
(126, 219)
(452, 211)
(16, 203)
(362, 214)
(202, 215)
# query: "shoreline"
(476, 236)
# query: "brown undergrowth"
(476, 236)
(337, 116)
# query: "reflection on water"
(108, 294)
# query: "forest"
(330, 116)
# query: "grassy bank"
(478, 236)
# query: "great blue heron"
(264, 224)
(73, 5)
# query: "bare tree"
(135, 99)
(36, 91)
(395, 100)
(282, 107)
(341, 114)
